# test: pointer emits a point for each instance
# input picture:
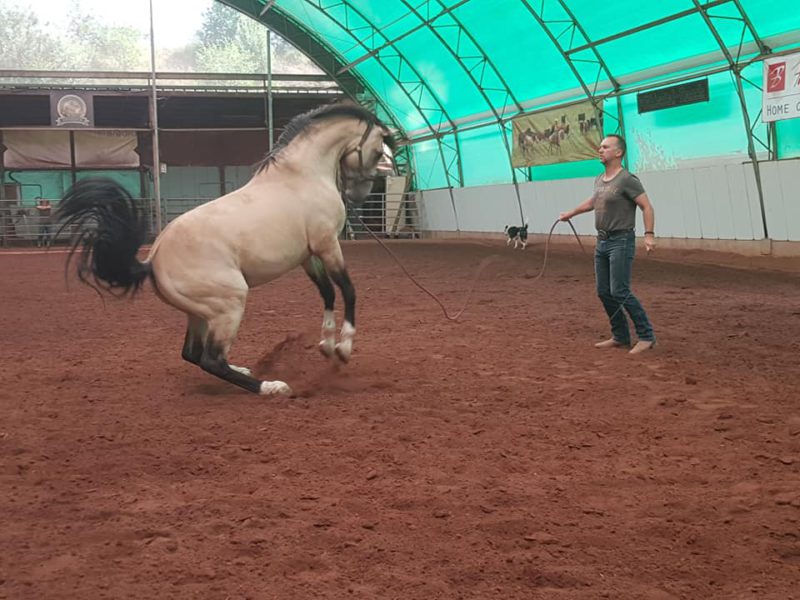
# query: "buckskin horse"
(204, 262)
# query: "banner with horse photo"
(564, 134)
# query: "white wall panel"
(436, 211)
(692, 226)
(789, 175)
(665, 190)
(745, 206)
(542, 201)
(776, 213)
(704, 184)
(717, 201)
(487, 208)
(782, 190)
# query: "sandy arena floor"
(500, 457)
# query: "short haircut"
(620, 142)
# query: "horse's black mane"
(302, 122)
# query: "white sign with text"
(781, 88)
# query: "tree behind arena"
(84, 43)
(227, 42)
(231, 42)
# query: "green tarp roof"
(438, 66)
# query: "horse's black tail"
(111, 229)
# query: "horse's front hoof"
(272, 388)
(343, 351)
(327, 348)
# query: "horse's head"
(368, 157)
(363, 146)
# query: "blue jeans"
(44, 234)
(613, 262)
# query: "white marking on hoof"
(327, 347)
(345, 348)
(242, 370)
(270, 388)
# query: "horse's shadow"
(211, 388)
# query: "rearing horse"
(205, 261)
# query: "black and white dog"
(518, 235)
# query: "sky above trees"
(100, 35)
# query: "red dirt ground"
(500, 457)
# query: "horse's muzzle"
(385, 165)
(356, 191)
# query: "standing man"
(616, 195)
(44, 211)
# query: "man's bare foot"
(612, 343)
(642, 346)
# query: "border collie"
(518, 235)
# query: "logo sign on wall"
(781, 97)
(71, 110)
(564, 134)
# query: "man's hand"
(649, 242)
(565, 216)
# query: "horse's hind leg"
(196, 330)
(194, 343)
(222, 329)
(316, 271)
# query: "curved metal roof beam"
(460, 56)
(639, 82)
(572, 26)
(327, 59)
(735, 70)
(577, 25)
(478, 83)
(763, 48)
(409, 87)
(643, 27)
(417, 83)
(403, 35)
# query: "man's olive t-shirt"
(613, 203)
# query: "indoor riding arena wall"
(712, 207)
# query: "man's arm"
(584, 207)
(649, 216)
